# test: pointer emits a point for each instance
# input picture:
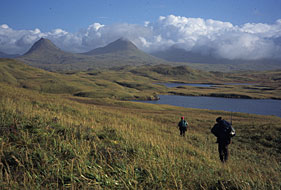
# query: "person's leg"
(221, 153)
(225, 152)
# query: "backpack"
(228, 129)
(183, 124)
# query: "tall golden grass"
(60, 142)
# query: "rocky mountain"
(43, 45)
(123, 52)
(119, 45)
(120, 53)
(44, 54)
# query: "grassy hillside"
(120, 83)
(142, 82)
(72, 131)
(18, 74)
(98, 84)
(63, 142)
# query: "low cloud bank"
(221, 39)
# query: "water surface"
(173, 85)
(254, 106)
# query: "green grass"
(73, 131)
(129, 83)
(65, 142)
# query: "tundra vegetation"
(76, 130)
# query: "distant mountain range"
(199, 60)
(122, 52)
(5, 55)
(176, 54)
(44, 54)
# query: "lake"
(254, 106)
(173, 85)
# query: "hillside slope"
(141, 82)
(16, 73)
(95, 84)
(62, 131)
(60, 142)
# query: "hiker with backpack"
(182, 126)
(224, 132)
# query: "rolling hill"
(121, 84)
(44, 54)
(60, 141)
(138, 82)
(16, 73)
(134, 82)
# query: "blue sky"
(232, 29)
(72, 15)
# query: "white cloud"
(250, 41)
(17, 41)
(244, 46)
(223, 39)
(4, 26)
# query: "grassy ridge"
(60, 141)
(99, 84)
(129, 83)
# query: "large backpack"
(223, 129)
(228, 129)
(183, 124)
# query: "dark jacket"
(222, 131)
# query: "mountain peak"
(43, 44)
(122, 44)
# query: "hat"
(182, 117)
(218, 119)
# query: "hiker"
(224, 132)
(182, 126)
